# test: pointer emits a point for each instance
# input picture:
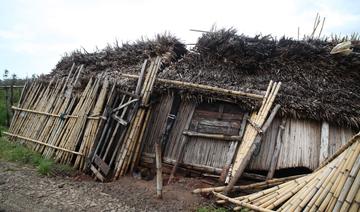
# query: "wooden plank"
(215, 129)
(120, 120)
(214, 136)
(159, 179)
(324, 142)
(224, 116)
(97, 173)
(275, 158)
(182, 147)
(101, 164)
(225, 175)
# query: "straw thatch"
(316, 85)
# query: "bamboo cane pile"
(132, 142)
(333, 187)
(58, 122)
(253, 129)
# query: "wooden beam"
(159, 179)
(278, 144)
(45, 144)
(201, 87)
(324, 145)
(52, 114)
(14, 86)
(213, 136)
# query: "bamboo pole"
(339, 151)
(137, 150)
(207, 88)
(332, 187)
(246, 205)
(352, 193)
(266, 183)
(250, 139)
(159, 179)
(91, 127)
(42, 143)
(133, 135)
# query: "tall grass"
(15, 152)
(3, 109)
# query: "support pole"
(159, 180)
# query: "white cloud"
(50, 28)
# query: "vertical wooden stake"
(183, 144)
(324, 146)
(7, 106)
(159, 180)
(279, 140)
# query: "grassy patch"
(211, 209)
(18, 153)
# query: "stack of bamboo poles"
(253, 129)
(131, 145)
(55, 121)
(334, 186)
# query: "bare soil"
(23, 189)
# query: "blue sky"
(35, 34)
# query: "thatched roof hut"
(319, 97)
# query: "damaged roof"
(315, 84)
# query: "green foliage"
(3, 109)
(19, 153)
(211, 209)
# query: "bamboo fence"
(60, 120)
(130, 149)
(57, 121)
(333, 187)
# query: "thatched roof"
(316, 85)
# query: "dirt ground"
(23, 189)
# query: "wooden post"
(232, 149)
(7, 106)
(247, 157)
(159, 180)
(183, 144)
(324, 146)
(279, 140)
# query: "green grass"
(3, 110)
(211, 209)
(19, 153)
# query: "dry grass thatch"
(316, 85)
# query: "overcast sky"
(34, 34)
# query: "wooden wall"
(337, 137)
(300, 147)
(157, 122)
(218, 119)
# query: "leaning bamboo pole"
(201, 87)
(131, 140)
(91, 127)
(267, 183)
(246, 205)
(247, 146)
(333, 187)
